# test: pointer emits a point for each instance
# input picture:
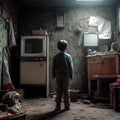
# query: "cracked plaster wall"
(36, 19)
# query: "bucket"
(73, 95)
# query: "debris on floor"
(43, 109)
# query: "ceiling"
(61, 3)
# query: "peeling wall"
(36, 19)
(118, 24)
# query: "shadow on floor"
(45, 116)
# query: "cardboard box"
(39, 32)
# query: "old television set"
(90, 40)
(33, 46)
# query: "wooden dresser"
(107, 66)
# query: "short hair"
(62, 45)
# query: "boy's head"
(62, 45)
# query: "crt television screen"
(33, 45)
(90, 39)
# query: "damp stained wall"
(118, 24)
(46, 19)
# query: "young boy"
(62, 71)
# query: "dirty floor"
(43, 109)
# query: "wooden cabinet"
(34, 64)
(109, 65)
(33, 73)
(102, 65)
(94, 66)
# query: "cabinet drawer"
(109, 57)
(94, 60)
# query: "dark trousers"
(62, 84)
